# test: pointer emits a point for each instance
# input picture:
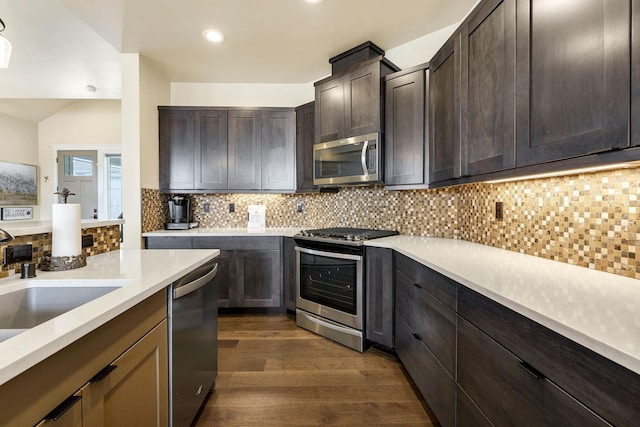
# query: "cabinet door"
(245, 154)
(226, 279)
(379, 279)
(259, 278)
(211, 149)
(404, 138)
(329, 114)
(176, 148)
(305, 133)
(436, 386)
(573, 97)
(135, 392)
(362, 92)
(444, 112)
(509, 391)
(278, 150)
(289, 273)
(432, 321)
(487, 94)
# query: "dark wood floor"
(272, 373)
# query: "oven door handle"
(329, 254)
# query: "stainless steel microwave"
(356, 161)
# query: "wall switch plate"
(207, 207)
(499, 211)
(18, 253)
(232, 207)
(298, 207)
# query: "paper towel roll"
(66, 233)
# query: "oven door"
(329, 284)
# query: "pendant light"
(5, 48)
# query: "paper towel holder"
(62, 263)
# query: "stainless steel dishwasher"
(193, 342)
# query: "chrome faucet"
(5, 236)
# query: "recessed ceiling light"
(313, 1)
(213, 36)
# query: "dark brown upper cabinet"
(245, 150)
(226, 150)
(211, 149)
(573, 79)
(177, 148)
(487, 92)
(305, 134)
(406, 128)
(351, 103)
(444, 112)
(278, 149)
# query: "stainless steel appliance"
(330, 283)
(356, 160)
(179, 213)
(193, 342)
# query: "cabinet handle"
(103, 374)
(62, 408)
(531, 370)
(417, 286)
(416, 336)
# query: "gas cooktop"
(347, 235)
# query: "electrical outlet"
(232, 207)
(207, 207)
(499, 211)
(298, 207)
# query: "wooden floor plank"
(272, 373)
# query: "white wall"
(19, 144)
(18, 141)
(144, 87)
(83, 123)
(420, 50)
(241, 95)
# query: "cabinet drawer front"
(506, 392)
(589, 377)
(430, 319)
(435, 385)
(237, 243)
(169, 242)
(431, 281)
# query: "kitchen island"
(70, 341)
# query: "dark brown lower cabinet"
(508, 390)
(289, 273)
(436, 386)
(467, 412)
(379, 299)
(250, 272)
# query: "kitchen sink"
(36, 303)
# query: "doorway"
(95, 176)
(78, 171)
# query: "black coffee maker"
(179, 213)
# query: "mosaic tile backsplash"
(105, 239)
(588, 220)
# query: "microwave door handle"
(363, 157)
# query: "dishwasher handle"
(180, 291)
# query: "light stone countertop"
(25, 228)
(225, 232)
(599, 310)
(138, 273)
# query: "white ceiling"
(61, 46)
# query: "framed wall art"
(18, 184)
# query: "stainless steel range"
(330, 285)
